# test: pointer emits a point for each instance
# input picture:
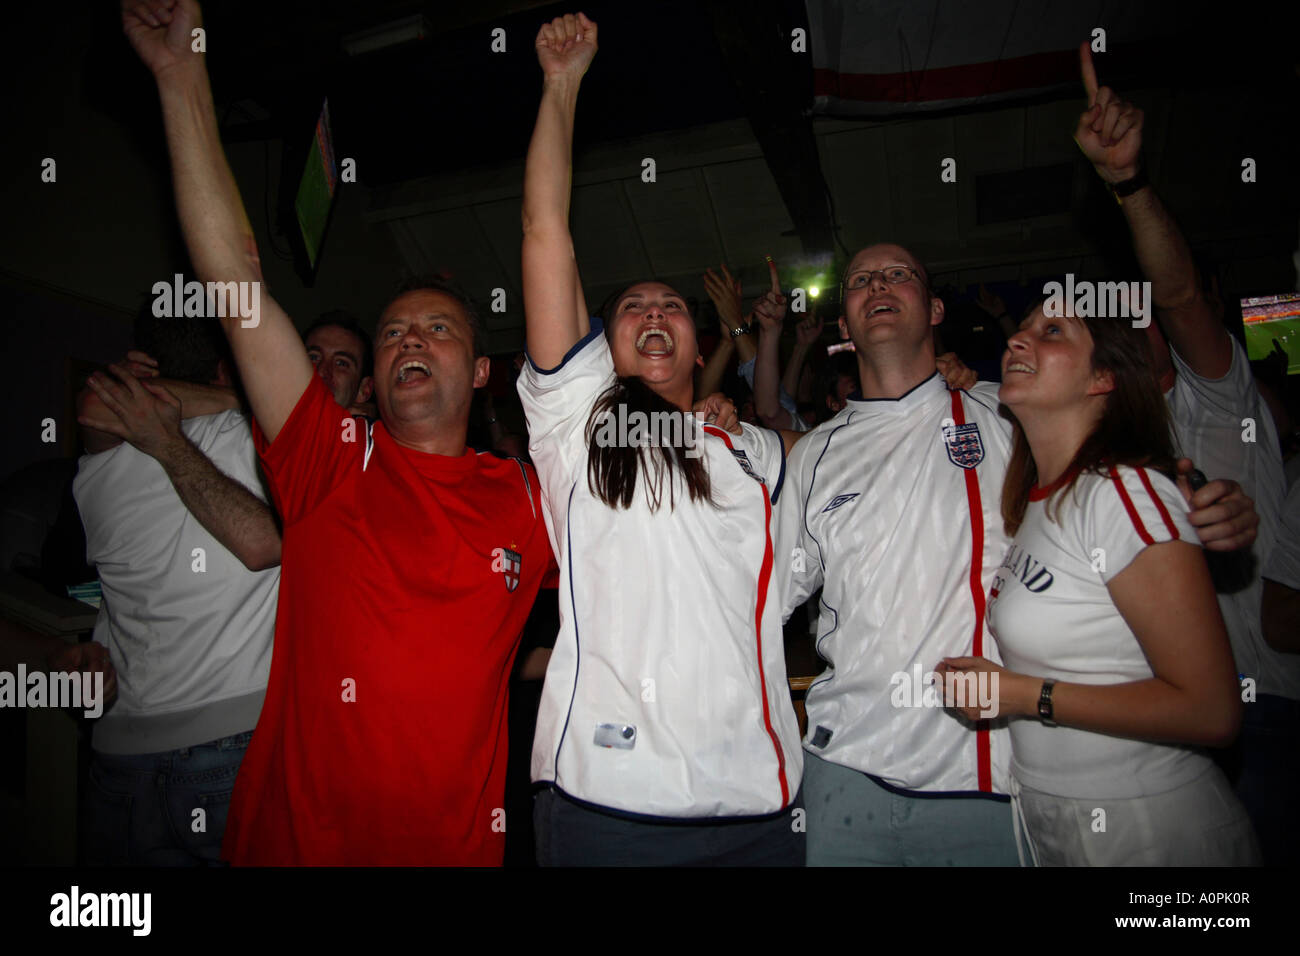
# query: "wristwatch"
(1129, 186)
(1045, 703)
(740, 330)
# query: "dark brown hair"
(612, 470)
(436, 283)
(1133, 429)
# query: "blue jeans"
(143, 810)
(854, 821)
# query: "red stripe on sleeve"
(1128, 506)
(1160, 505)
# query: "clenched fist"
(566, 45)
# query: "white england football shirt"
(894, 507)
(666, 693)
(1052, 616)
(1224, 426)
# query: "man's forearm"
(790, 381)
(272, 361)
(1161, 250)
(767, 400)
(216, 227)
(228, 510)
(199, 399)
(1188, 317)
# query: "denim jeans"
(143, 809)
(854, 821)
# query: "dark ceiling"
(444, 103)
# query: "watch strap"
(1045, 712)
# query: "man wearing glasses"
(896, 515)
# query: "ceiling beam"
(773, 83)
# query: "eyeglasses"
(894, 275)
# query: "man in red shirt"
(409, 562)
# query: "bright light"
(814, 291)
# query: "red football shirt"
(406, 580)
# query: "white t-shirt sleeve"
(558, 402)
(1125, 513)
(1284, 561)
(1234, 395)
(767, 453)
(227, 440)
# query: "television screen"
(1273, 321)
(316, 188)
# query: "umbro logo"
(839, 500)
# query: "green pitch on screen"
(312, 203)
(1260, 336)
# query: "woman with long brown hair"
(666, 733)
(1118, 669)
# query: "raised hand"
(143, 413)
(566, 45)
(140, 364)
(990, 302)
(808, 331)
(725, 293)
(769, 308)
(1110, 130)
(160, 32)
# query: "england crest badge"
(509, 563)
(746, 464)
(964, 445)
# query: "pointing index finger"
(1089, 71)
(776, 280)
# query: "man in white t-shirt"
(1221, 422)
(187, 553)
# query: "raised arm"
(769, 313)
(727, 299)
(148, 416)
(806, 334)
(1110, 134)
(710, 377)
(554, 308)
(195, 399)
(272, 361)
